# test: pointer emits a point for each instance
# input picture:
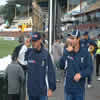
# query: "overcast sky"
(3, 2)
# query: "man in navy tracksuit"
(77, 62)
(85, 43)
(40, 70)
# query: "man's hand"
(77, 77)
(69, 48)
(50, 93)
(69, 45)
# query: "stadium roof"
(22, 2)
(44, 3)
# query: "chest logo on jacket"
(82, 59)
(32, 61)
(70, 57)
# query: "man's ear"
(27, 41)
(40, 40)
(79, 39)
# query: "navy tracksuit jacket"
(80, 62)
(39, 64)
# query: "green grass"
(7, 47)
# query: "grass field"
(7, 47)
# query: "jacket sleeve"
(27, 54)
(87, 71)
(62, 62)
(63, 59)
(51, 74)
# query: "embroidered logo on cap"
(35, 36)
(34, 61)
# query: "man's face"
(69, 41)
(75, 41)
(27, 42)
(85, 37)
(36, 44)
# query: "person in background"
(92, 48)
(98, 58)
(62, 43)
(57, 52)
(21, 39)
(16, 80)
(77, 61)
(41, 75)
(87, 43)
(19, 54)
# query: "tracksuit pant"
(69, 96)
(38, 98)
(13, 97)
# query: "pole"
(28, 11)
(50, 25)
(81, 9)
(67, 5)
(39, 23)
(28, 7)
(80, 6)
(15, 12)
(32, 19)
(55, 17)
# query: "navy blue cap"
(92, 42)
(74, 33)
(85, 33)
(36, 36)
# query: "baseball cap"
(75, 33)
(85, 33)
(36, 36)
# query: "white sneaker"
(89, 86)
(58, 81)
(98, 79)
